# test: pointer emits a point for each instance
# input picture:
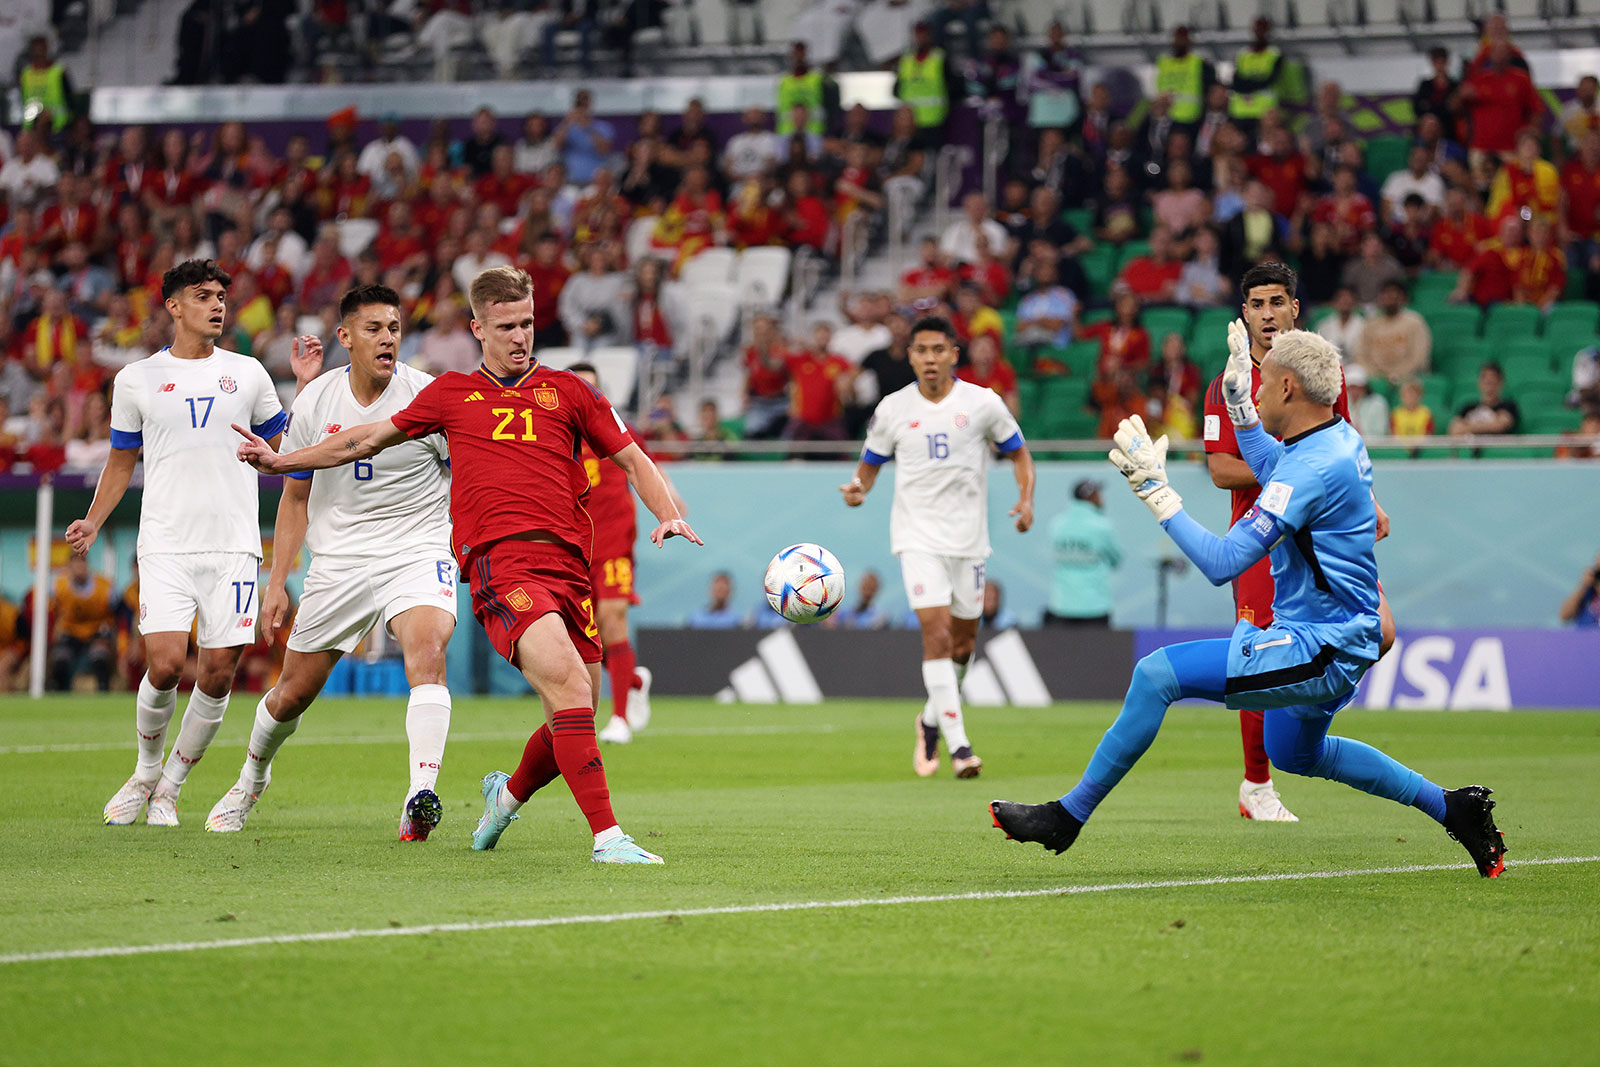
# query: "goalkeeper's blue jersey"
(1319, 487)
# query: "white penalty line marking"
(399, 738)
(738, 909)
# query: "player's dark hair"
(934, 324)
(192, 272)
(1269, 273)
(583, 367)
(363, 295)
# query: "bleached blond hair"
(498, 285)
(1313, 360)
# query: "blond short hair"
(1313, 360)
(499, 285)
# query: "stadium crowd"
(1095, 287)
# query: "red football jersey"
(610, 505)
(514, 447)
(1219, 437)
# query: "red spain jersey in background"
(514, 447)
(1252, 590)
(610, 505)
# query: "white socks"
(266, 737)
(944, 701)
(605, 837)
(508, 803)
(427, 725)
(152, 712)
(201, 720)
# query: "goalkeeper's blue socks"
(1192, 669)
(1430, 799)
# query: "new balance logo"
(473, 396)
(169, 387)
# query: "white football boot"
(1259, 801)
(229, 813)
(616, 731)
(163, 807)
(638, 704)
(123, 809)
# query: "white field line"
(399, 738)
(735, 909)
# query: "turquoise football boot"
(495, 819)
(623, 850)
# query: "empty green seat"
(1100, 267)
(1385, 155)
(1453, 322)
(1575, 313)
(1508, 321)
(1524, 367)
(1161, 321)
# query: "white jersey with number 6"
(398, 502)
(197, 496)
(941, 455)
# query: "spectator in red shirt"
(931, 278)
(502, 186)
(985, 368)
(1283, 170)
(1177, 370)
(1458, 232)
(549, 276)
(134, 246)
(1123, 342)
(819, 384)
(1153, 278)
(399, 242)
(650, 330)
(172, 188)
(1580, 197)
(766, 384)
(328, 276)
(1542, 271)
(988, 272)
(1116, 397)
(806, 215)
(1490, 277)
(1499, 99)
(71, 218)
(1347, 211)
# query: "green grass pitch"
(756, 806)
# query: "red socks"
(620, 663)
(1256, 766)
(538, 767)
(577, 753)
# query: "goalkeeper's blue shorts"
(1289, 666)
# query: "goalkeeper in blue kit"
(1315, 518)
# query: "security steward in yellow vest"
(1184, 77)
(85, 626)
(1255, 78)
(45, 89)
(802, 87)
(922, 81)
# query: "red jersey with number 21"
(514, 446)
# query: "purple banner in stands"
(1500, 670)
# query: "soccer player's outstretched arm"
(657, 495)
(874, 454)
(1022, 467)
(358, 442)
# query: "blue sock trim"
(1430, 800)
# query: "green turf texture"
(754, 805)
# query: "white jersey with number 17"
(398, 502)
(941, 454)
(197, 496)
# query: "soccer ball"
(804, 583)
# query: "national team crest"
(518, 599)
(961, 420)
(226, 384)
(546, 397)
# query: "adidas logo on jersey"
(472, 397)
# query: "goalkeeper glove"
(1144, 463)
(1237, 381)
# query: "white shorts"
(343, 598)
(219, 587)
(936, 581)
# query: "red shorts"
(516, 582)
(611, 575)
(1252, 594)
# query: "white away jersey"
(197, 496)
(941, 452)
(396, 502)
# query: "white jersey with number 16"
(197, 496)
(941, 455)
